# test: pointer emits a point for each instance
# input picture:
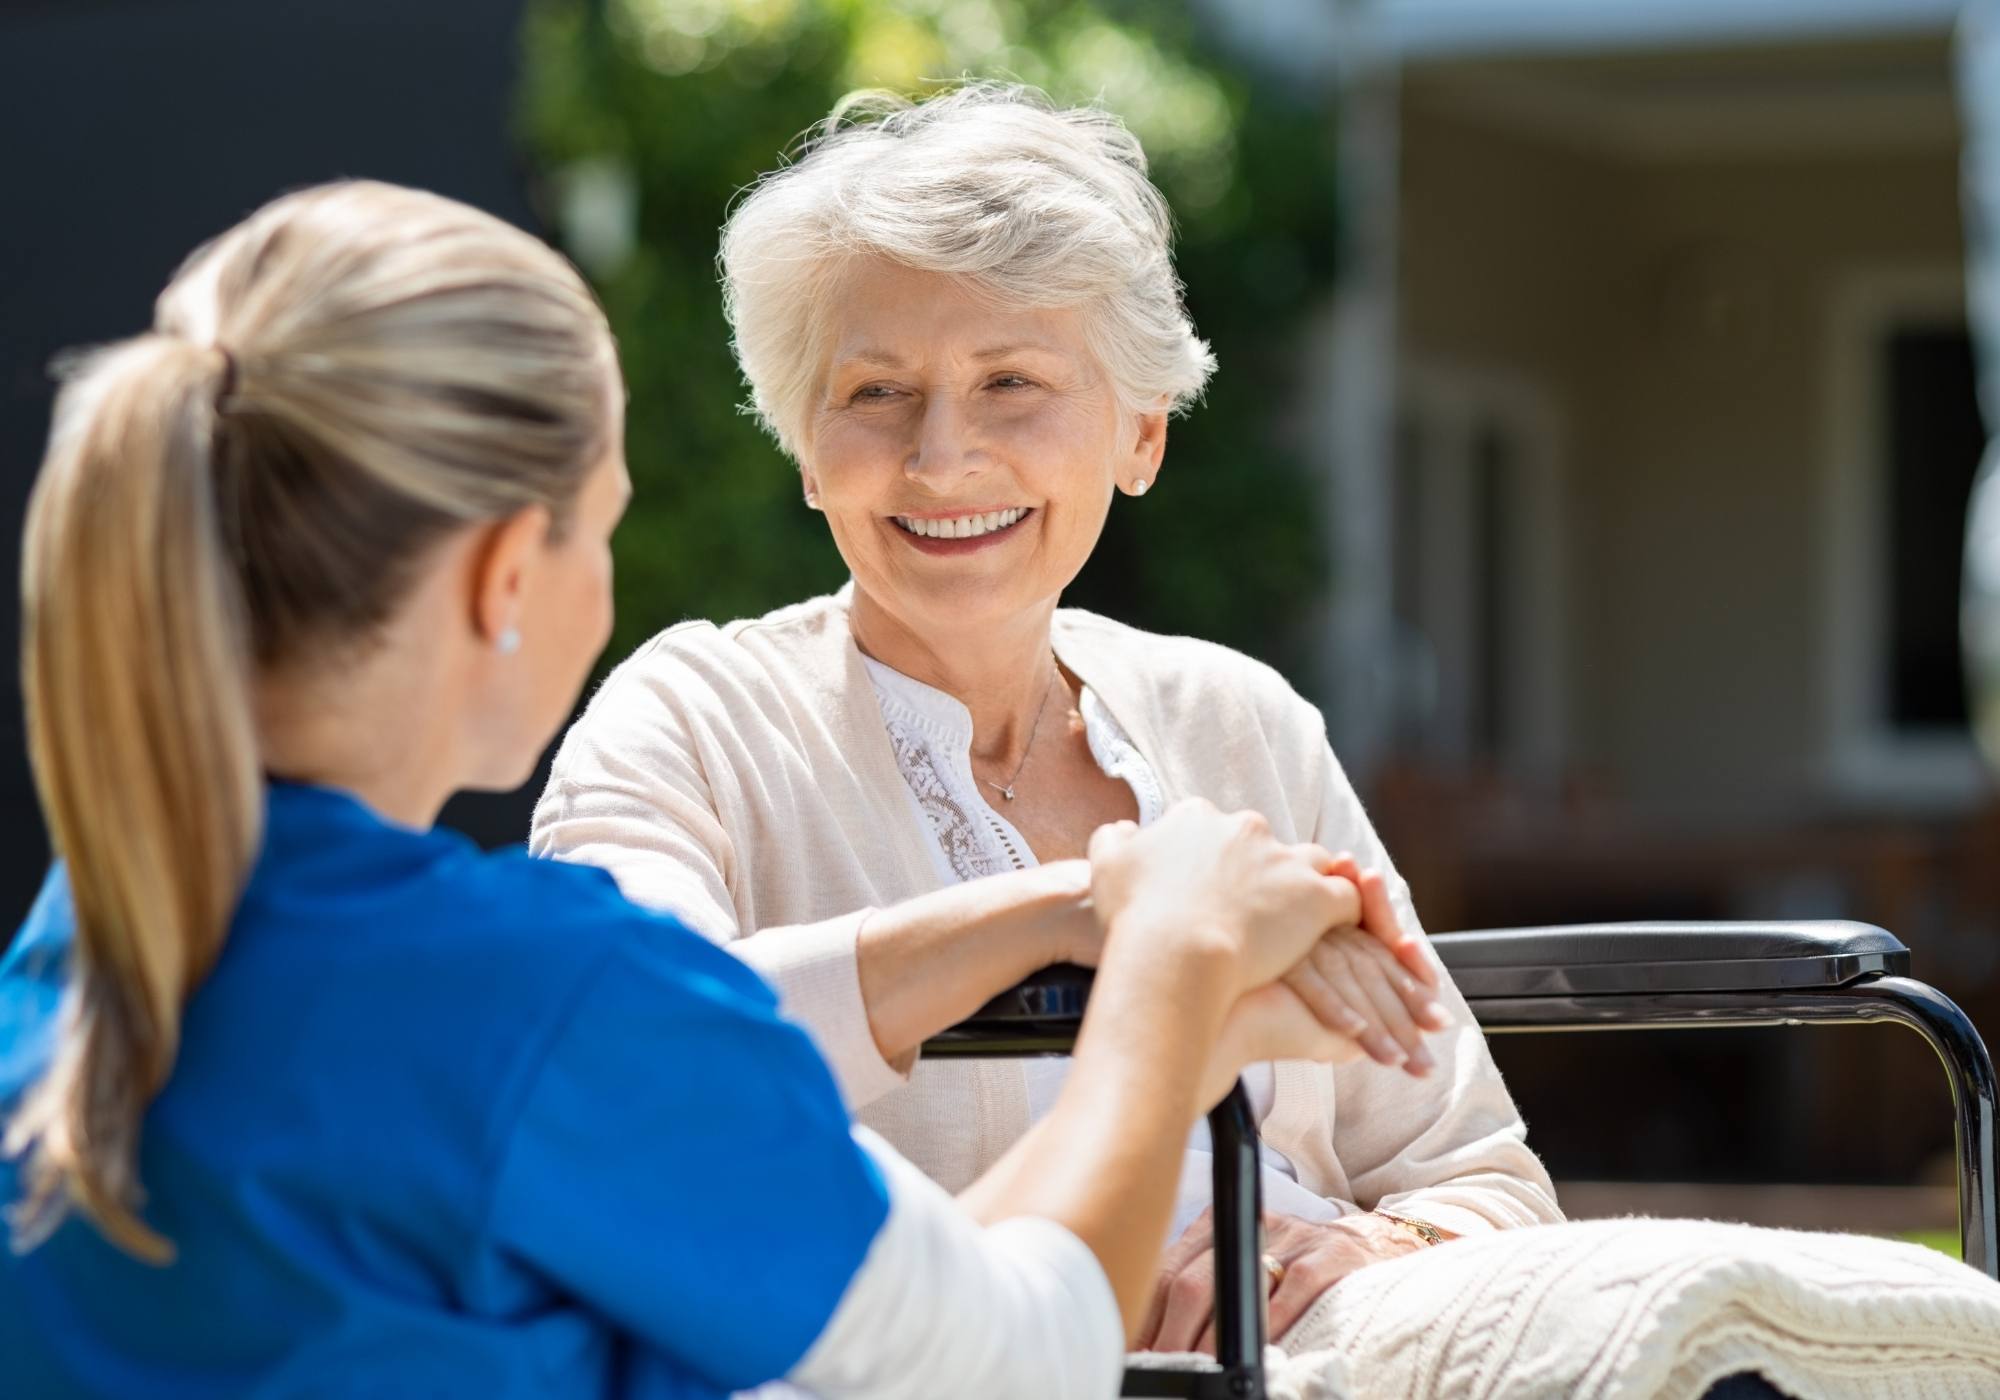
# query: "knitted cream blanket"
(1631, 1308)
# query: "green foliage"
(688, 101)
(1945, 1242)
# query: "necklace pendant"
(1007, 793)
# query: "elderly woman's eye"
(1012, 381)
(874, 391)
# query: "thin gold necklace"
(1006, 789)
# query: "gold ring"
(1275, 1267)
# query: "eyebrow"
(1000, 352)
(868, 355)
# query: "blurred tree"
(647, 116)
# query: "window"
(1477, 581)
(1905, 441)
(1934, 444)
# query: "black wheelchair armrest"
(1038, 1016)
(1567, 960)
(1627, 959)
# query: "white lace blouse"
(931, 734)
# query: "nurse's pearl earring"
(812, 500)
(1139, 486)
(508, 642)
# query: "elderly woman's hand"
(1343, 1020)
(1378, 916)
(1348, 992)
(1310, 1256)
(1350, 995)
(1362, 986)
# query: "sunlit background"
(1593, 436)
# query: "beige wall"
(1696, 460)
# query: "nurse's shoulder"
(378, 944)
(340, 890)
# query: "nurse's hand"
(1273, 1023)
(1213, 885)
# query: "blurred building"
(1685, 421)
(1651, 437)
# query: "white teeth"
(963, 527)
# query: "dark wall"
(129, 132)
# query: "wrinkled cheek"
(858, 542)
(1075, 540)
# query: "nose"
(945, 452)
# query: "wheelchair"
(1568, 978)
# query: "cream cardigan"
(741, 777)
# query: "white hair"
(1033, 205)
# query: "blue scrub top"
(446, 1123)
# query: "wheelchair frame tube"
(1240, 1293)
(1901, 1000)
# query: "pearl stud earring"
(812, 500)
(508, 642)
(1139, 486)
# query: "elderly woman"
(962, 321)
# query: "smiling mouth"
(963, 527)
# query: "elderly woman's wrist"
(1416, 1234)
(1067, 927)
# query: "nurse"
(305, 1096)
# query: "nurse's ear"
(504, 562)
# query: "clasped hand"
(1323, 969)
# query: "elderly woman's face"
(965, 457)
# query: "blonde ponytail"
(397, 365)
(145, 754)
